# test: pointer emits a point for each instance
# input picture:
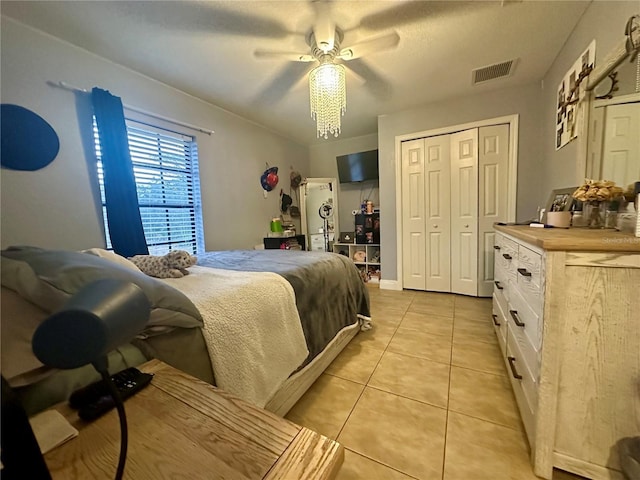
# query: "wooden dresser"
(566, 311)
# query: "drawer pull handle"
(524, 272)
(498, 286)
(514, 315)
(495, 320)
(507, 256)
(496, 247)
(514, 372)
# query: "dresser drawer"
(507, 256)
(525, 388)
(530, 355)
(524, 318)
(528, 278)
(499, 324)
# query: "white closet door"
(464, 212)
(438, 212)
(493, 163)
(621, 144)
(413, 215)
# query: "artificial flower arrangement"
(598, 191)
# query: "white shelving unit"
(365, 256)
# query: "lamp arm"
(100, 366)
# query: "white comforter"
(251, 327)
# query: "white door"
(413, 215)
(464, 212)
(621, 144)
(493, 163)
(438, 212)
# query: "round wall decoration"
(28, 141)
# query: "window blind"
(165, 165)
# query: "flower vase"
(594, 213)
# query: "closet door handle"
(507, 256)
(514, 315)
(496, 247)
(514, 372)
(498, 286)
(524, 272)
(495, 320)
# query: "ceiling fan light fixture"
(328, 97)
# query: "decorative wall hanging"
(269, 178)
(28, 141)
(568, 93)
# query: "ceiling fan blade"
(290, 56)
(403, 13)
(207, 17)
(324, 28)
(282, 83)
(373, 81)
(372, 45)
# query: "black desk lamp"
(97, 319)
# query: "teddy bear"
(172, 265)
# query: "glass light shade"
(328, 97)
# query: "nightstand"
(181, 427)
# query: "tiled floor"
(423, 395)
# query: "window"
(165, 165)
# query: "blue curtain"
(123, 213)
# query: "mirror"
(319, 208)
(613, 150)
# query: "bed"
(263, 324)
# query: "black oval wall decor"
(28, 141)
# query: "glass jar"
(594, 214)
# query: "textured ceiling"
(207, 49)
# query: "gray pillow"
(48, 278)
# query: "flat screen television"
(358, 167)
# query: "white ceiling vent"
(493, 72)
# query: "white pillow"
(114, 257)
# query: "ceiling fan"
(327, 81)
(325, 41)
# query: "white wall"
(604, 22)
(524, 101)
(56, 207)
(350, 195)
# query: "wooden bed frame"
(297, 384)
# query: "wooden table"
(181, 427)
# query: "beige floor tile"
(356, 362)
(463, 328)
(412, 377)
(378, 337)
(431, 308)
(481, 450)
(428, 323)
(382, 315)
(391, 298)
(435, 298)
(471, 302)
(325, 407)
(483, 395)
(484, 357)
(419, 344)
(357, 467)
(480, 312)
(390, 305)
(405, 434)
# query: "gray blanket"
(329, 291)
